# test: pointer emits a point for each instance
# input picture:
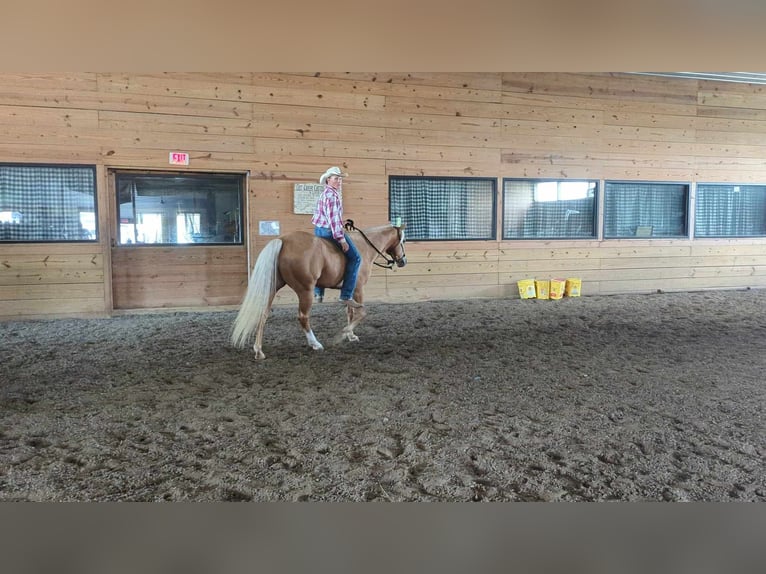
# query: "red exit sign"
(179, 158)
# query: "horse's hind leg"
(258, 345)
(305, 300)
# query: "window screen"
(446, 208)
(179, 208)
(552, 209)
(644, 209)
(730, 210)
(47, 203)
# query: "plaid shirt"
(329, 212)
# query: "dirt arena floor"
(632, 398)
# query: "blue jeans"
(353, 262)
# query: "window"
(549, 209)
(730, 210)
(161, 208)
(47, 203)
(644, 209)
(444, 208)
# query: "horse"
(302, 261)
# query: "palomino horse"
(303, 261)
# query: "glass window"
(179, 208)
(549, 209)
(47, 203)
(444, 208)
(730, 210)
(645, 209)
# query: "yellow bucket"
(527, 288)
(557, 288)
(543, 288)
(573, 287)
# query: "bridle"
(349, 225)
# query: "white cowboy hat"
(329, 172)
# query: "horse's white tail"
(255, 306)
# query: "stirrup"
(351, 303)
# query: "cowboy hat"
(329, 172)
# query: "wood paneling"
(146, 277)
(285, 128)
(51, 279)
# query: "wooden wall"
(288, 128)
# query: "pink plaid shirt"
(329, 212)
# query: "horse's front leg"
(305, 300)
(355, 315)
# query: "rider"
(328, 223)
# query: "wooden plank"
(139, 158)
(46, 307)
(446, 292)
(43, 248)
(596, 252)
(589, 274)
(595, 131)
(521, 266)
(602, 161)
(198, 254)
(440, 254)
(289, 127)
(10, 263)
(180, 274)
(38, 117)
(452, 168)
(51, 276)
(45, 153)
(432, 87)
(229, 87)
(743, 114)
(626, 117)
(282, 147)
(731, 95)
(457, 108)
(118, 102)
(94, 139)
(603, 85)
(278, 114)
(757, 247)
(403, 281)
(59, 82)
(682, 284)
(111, 120)
(451, 268)
(728, 137)
(473, 80)
(488, 139)
(57, 291)
(159, 85)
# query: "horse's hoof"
(352, 338)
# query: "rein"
(349, 225)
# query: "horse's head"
(396, 247)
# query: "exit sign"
(179, 158)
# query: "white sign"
(178, 158)
(305, 196)
(268, 227)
